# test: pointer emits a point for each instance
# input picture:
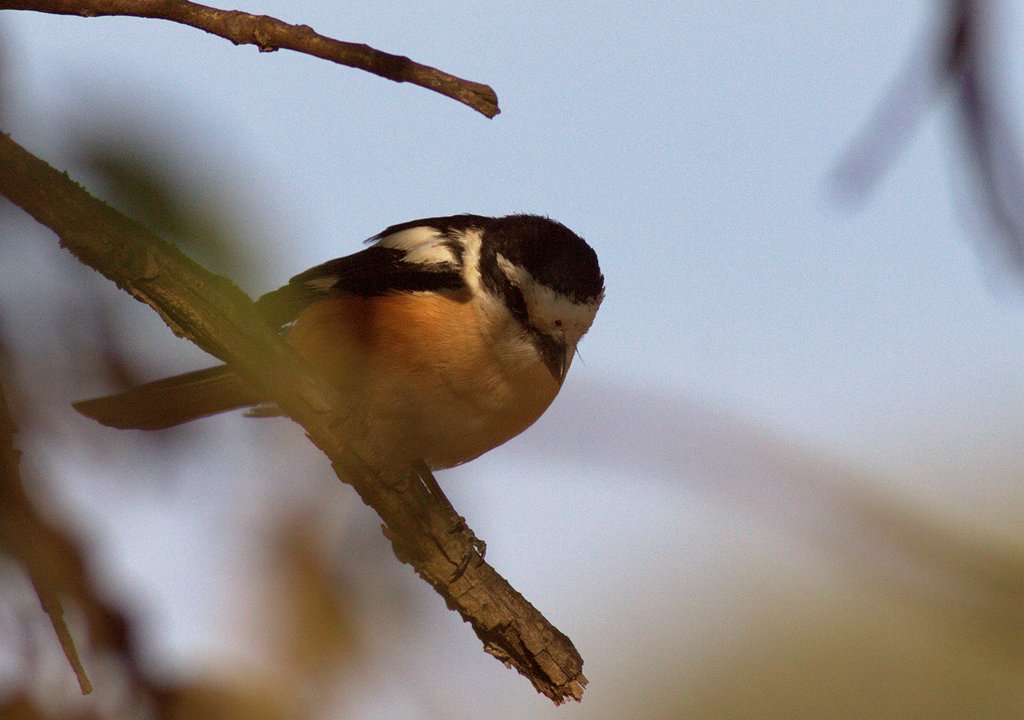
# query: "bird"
(448, 336)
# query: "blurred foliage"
(145, 177)
(961, 57)
(313, 614)
(300, 615)
(843, 656)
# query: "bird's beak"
(557, 356)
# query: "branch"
(270, 34)
(55, 564)
(39, 547)
(963, 59)
(424, 529)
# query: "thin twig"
(52, 607)
(20, 535)
(425, 531)
(269, 34)
(961, 60)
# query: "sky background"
(753, 313)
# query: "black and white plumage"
(453, 334)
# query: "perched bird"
(449, 335)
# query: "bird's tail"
(171, 401)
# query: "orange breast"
(424, 377)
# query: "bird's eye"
(558, 323)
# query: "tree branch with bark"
(424, 529)
(270, 34)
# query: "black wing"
(374, 271)
(446, 225)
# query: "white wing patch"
(323, 283)
(422, 244)
(471, 241)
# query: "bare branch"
(424, 530)
(28, 538)
(52, 607)
(56, 565)
(270, 34)
(962, 60)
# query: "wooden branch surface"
(209, 310)
(269, 34)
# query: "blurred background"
(782, 481)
